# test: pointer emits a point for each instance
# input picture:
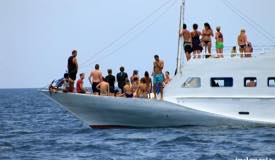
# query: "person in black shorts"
(72, 69)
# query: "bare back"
(186, 35)
(96, 75)
(104, 88)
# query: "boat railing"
(227, 53)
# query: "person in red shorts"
(79, 84)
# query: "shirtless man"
(95, 78)
(104, 88)
(242, 42)
(186, 35)
(158, 77)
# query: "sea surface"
(33, 127)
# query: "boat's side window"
(192, 82)
(271, 82)
(221, 82)
(250, 81)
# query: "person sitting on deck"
(242, 42)
(142, 90)
(248, 50)
(135, 75)
(207, 33)
(104, 88)
(121, 79)
(95, 78)
(233, 51)
(128, 90)
(135, 85)
(148, 82)
(158, 77)
(56, 84)
(79, 84)
(196, 42)
(111, 80)
(186, 35)
(219, 42)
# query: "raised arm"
(90, 77)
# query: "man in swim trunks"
(72, 69)
(186, 35)
(95, 78)
(158, 76)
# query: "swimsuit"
(94, 87)
(196, 43)
(188, 47)
(219, 45)
(158, 78)
(129, 95)
(242, 46)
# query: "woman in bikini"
(207, 33)
(141, 91)
(219, 42)
(148, 81)
(242, 42)
(196, 42)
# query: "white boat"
(205, 92)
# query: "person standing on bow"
(186, 35)
(196, 42)
(95, 78)
(72, 70)
(207, 33)
(242, 42)
(219, 42)
(158, 76)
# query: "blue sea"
(33, 127)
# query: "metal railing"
(227, 53)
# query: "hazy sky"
(37, 36)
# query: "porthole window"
(271, 82)
(221, 82)
(250, 82)
(192, 82)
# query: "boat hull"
(106, 112)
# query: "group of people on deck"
(129, 87)
(196, 41)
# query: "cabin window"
(271, 82)
(222, 82)
(250, 82)
(192, 82)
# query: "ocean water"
(33, 127)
